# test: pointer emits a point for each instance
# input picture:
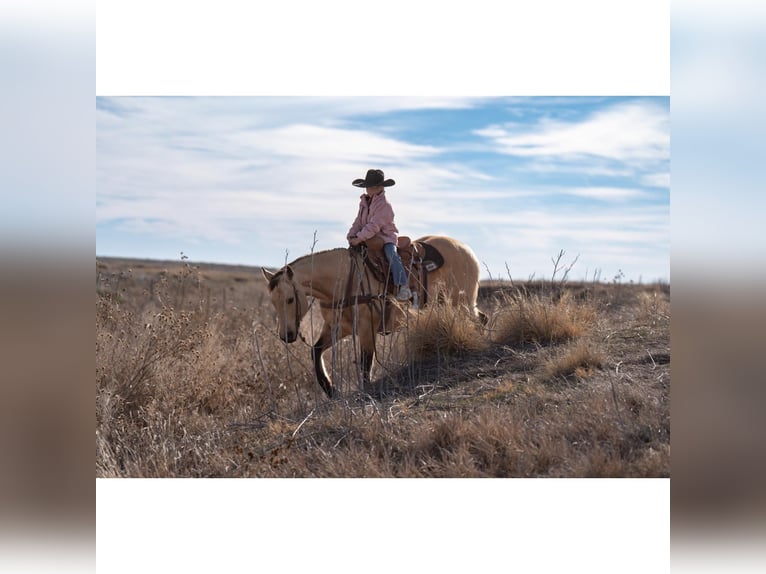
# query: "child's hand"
(354, 241)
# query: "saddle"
(418, 258)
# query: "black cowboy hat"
(374, 178)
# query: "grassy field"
(568, 379)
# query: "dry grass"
(192, 382)
(576, 361)
(540, 319)
(444, 330)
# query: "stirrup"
(407, 293)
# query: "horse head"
(289, 300)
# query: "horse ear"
(289, 271)
(268, 275)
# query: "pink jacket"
(375, 217)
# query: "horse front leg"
(323, 343)
(366, 356)
(358, 323)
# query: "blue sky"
(249, 180)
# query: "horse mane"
(274, 281)
(310, 255)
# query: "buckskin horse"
(353, 297)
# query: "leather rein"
(350, 300)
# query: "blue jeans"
(400, 275)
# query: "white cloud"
(606, 240)
(321, 143)
(629, 132)
(593, 168)
(206, 164)
(605, 193)
(657, 180)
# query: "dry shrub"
(444, 329)
(653, 308)
(169, 380)
(130, 357)
(161, 373)
(541, 320)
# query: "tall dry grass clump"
(533, 318)
(576, 361)
(445, 329)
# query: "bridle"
(298, 314)
(348, 300)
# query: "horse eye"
(290, 300)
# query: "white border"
(381, 525)
(400, 47)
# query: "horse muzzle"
(289, 337)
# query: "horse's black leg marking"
(366, 358)
(316, 356)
